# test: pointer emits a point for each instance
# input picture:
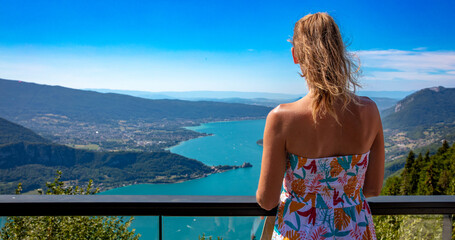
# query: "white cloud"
(432, 67)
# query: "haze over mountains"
(192, 95)
(384, 99)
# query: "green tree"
(66, 227)
(392, 186)
(428, 175)
(443, 149)
(407, 174)
(416, 172)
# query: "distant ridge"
(23, 100)
(383, 99)
(426, 107)
(385, 94)
(194, 95)
(198, 95)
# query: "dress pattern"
(323, 199)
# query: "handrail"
(183, 205)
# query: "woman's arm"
(375, 171)
(273, 161)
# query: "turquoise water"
(231, 143)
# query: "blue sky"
(218, 45)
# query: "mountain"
(23, 100)
(427, 107)
(12, 133)
(419, 122)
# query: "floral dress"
(323, 199)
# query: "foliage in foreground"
(408, 227)
(203, 237)
(65, 227)
(428, 175)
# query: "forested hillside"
(425, 174)
(12, 133)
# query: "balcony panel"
(226, 227)
(229, 217)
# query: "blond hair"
(328, 68)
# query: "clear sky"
(233, 45)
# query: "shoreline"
(171, 181)
(207, 134)
(181, 142)
(177, 179)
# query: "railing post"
(446, 227)
(160, 227)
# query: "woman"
(329, 143)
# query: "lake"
(230, 143)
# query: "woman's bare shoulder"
(288, 111)
(364, 100)
(283, 114)
(368, 109)
(367, 103)
(277, 114)
(283, 109)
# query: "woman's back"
(358, 129)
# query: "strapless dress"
(322, 198)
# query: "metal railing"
(174, 205)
